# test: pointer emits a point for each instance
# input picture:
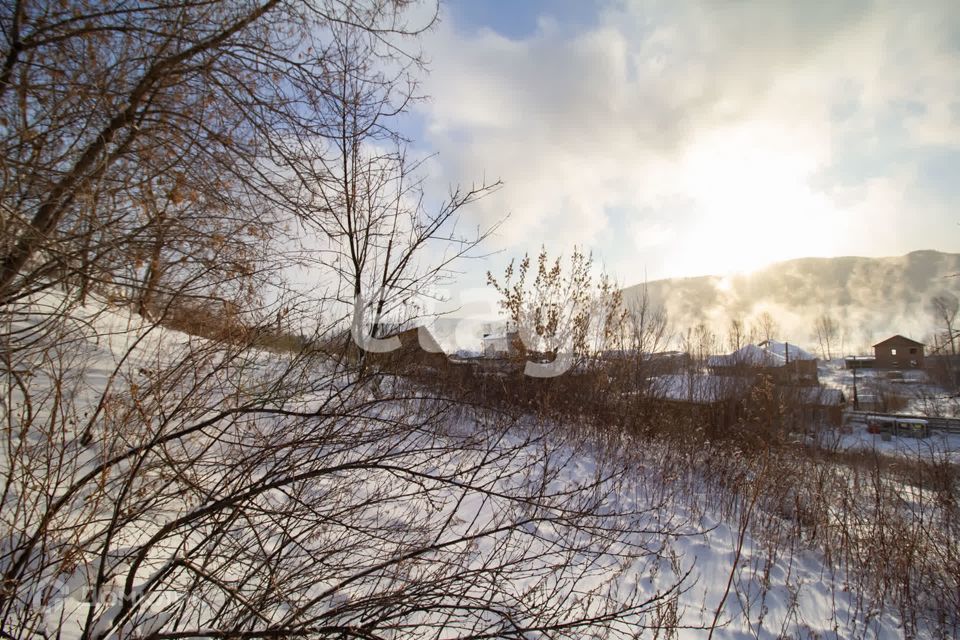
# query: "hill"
(871, 298)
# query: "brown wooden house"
(898, 352)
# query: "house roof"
(783, 349)
(900, 338)
(700, 388)
(820, 396)
(768, 353)
(708, 388)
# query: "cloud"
(652, 234)
(706, 126)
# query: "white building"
(500, 344)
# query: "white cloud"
(705, 122)
(652, 234)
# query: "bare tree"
(699, 343)
(364, 197)
(338, 515)
(644, 358)
(766, 326)
(945, 307)
(827, 333)
(736, 333)
(561, 313)
(206, 101)
(159, 484)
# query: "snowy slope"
(729, 579)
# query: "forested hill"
(870, 298)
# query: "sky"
(680, 138)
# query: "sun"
(754, 200)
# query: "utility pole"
(856, 400)
(791, 375)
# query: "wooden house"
(898, 352)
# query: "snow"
(768, 353)
(912, 390)
(772, 595)
(784, 350)
(700, 387)
(937, 445)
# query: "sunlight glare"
(751, 186)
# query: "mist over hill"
(870, 298)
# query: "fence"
(944, 425)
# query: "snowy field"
(936, 445)
(502, 500)
(920, 396)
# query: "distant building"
(500, 344)
(859, 362)
(783, 362)
(821, 405)
(700, 388)
(721, 400)
(714, 401)
(898, 352)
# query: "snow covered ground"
(937, 445)
(912, 392)
(792, 596)
(920, 398)
(728, 579)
